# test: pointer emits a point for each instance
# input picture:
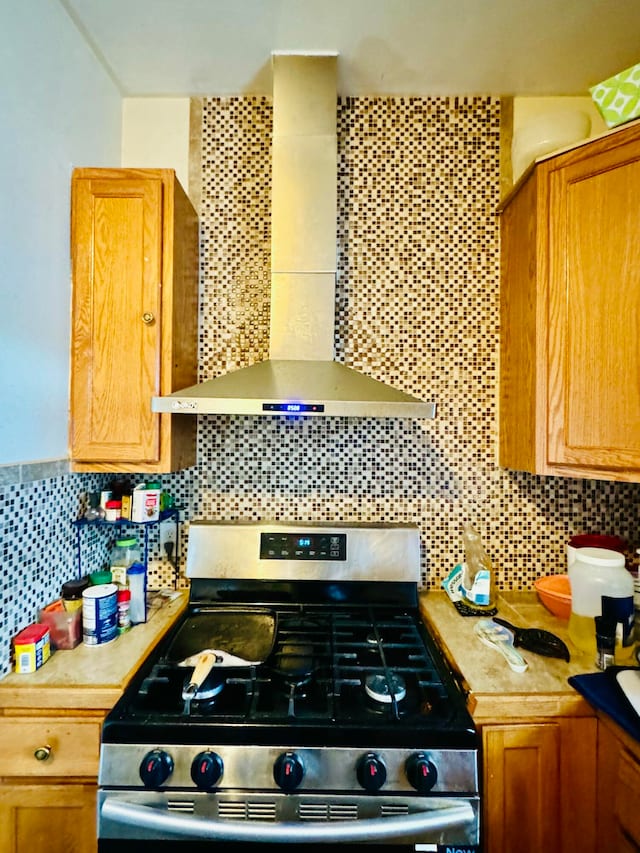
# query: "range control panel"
(303, 546)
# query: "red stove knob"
(207, 769)
(371, 772)
(156, 767)
(421, 773)
(288, 771)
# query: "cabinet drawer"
(628, 796)
(74, 746)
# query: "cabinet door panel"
(117, 257)
(627, 796)
(51, 818)
(594, 312)
(521, 788)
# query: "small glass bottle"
(94, 512)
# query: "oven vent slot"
(392, 809)
(328, 811)
(239, 810)
(181, 806)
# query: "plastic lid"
(100, 577)
(74, 588)
(127, 543)
(124, 595)
(597, 540)
(599, 557)
(136, 569)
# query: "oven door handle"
(156, 820)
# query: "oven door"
(145, 821)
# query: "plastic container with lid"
(71, 593)
(124, 554)
(601, 586)
(137, 578)
(100, 577)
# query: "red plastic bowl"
(554, 591)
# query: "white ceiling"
(419, 47)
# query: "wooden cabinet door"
(618, 790)
(594, 310)
(521, 788)
(51, 818)
(117, 268)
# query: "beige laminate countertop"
(495, 691)
(90, 677)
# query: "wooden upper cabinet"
(134, 248)
(570, 314)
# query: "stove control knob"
(288, 771)
(207, 769)
(371, 772)
(421, 773)
(156, 768)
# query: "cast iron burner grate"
(317, 672)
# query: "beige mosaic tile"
(417, 306)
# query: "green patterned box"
(618, 98)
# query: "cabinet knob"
(148, 318)
(42, 753)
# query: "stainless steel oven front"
(325, 809)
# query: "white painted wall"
(58, 109)
(155, 135)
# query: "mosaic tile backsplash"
(417, 306)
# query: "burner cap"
(383, 689)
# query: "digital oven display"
(303, 546)
(293, 408)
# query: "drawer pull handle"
(148, 318)
(42, 753)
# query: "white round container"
(594, 573)
(547, 132)
(99, 614)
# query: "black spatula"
(537, 640)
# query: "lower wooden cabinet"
(56, 818)
(48, 782)
(539, 786)
(618, 789)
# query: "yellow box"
(32, 648)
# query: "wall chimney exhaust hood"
(300, 376)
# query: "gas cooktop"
(361, 671)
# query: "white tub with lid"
(594, 573)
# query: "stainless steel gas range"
(300, 700)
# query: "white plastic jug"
(596, 573)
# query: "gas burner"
(385, 689)
(294, 661)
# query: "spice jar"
(113, 510)
(124, 615)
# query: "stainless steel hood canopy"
(300, 376)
